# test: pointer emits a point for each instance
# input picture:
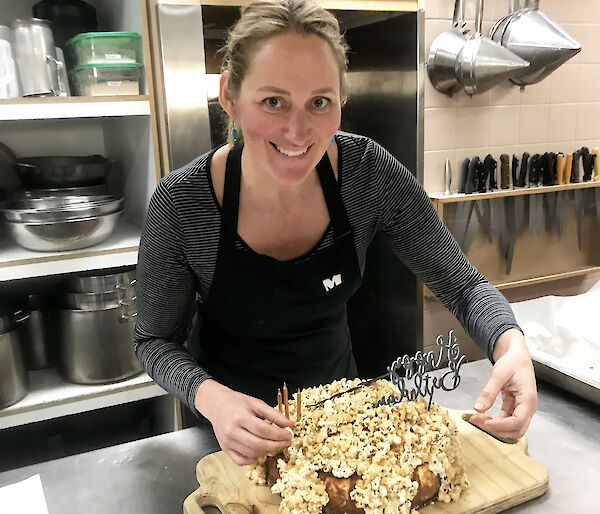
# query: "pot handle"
(21, 316)
(127, 317)
(123, 303)
(458, 20)
(125, 288)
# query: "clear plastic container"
(105, 48)
(107, 79)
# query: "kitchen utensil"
(515, 171)
(63, 78)
(35, 334)
(9, 83)
(492, 167)
(63, 235)
(483, 172)
(548, 178)
(596, 152)
(534, 37)
(64, 191)
(464, 173)
(97, 301)
(588, 164)
(524, 169)
(444, 51)
(10, 318)
(95, 347)
(575, 173)
(560, 168)
(14, 383)
(68, 212)
(36, 57)
(568, 167)
(92, 282)
(63, 171)
(225, 485)
(59, 202)
(471, 175)
(67, 17)
(482, 63)
(447, 177)
(504, 171)
(535, 170)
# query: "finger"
(487, 397)
(510, 426)
(269, 413)
(253, 446)
(238, 458)
(266, 430)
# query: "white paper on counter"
(563, 332)
(25, 497)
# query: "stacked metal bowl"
(95, 328)
(56, 222)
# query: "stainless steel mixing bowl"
(63, 235)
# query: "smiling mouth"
(291, 153)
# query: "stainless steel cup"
(14, 381)
(36, 57)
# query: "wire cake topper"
(406, 371)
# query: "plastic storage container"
(107, 79)
(105, 48)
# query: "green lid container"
(105, 48)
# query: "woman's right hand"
(246, 427)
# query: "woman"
(271, 232)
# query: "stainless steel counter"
(155, 475)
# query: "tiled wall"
(561, 113)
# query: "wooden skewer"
(298, 406)
(279, 402)
(285, 401)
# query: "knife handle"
(464, 172)
(524, 170)
(568, 168)
(596, 152)
(548, 178)
(504, 171)
(575, 167)
(491, 172)
(560, 168)
(515, 171)
(588, 165)
(533, 171)
(470, 182)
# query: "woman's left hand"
(513, 376)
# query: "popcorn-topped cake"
(348, 456)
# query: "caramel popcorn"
(382, 446)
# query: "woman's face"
(288, 105)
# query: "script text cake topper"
(406, 371)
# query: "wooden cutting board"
(501, 476)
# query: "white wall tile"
(589, 83)
(564, 83)
(588, 121)
(505, 94)
(563, 120)
(534, 123)
(472, 129)
(433, 98)
(535, 94)
(440, 128)
(504, 125)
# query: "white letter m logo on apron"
(330, 283)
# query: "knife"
(548, 176)
(560, 167)
(568, 167)
(588, 165)
(534, 169)
(515, 170)
(575, 167)
(596, 152)
(492, 168)
(472, 175)
(524, 170)
(483, 171)
(504, 171)
(464, 171)
(447, 177)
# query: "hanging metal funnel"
(483, 63)
(530, 34)
(444, 51)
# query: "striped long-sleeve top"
(179, 243)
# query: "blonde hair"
(263, 19)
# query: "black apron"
(267, 321)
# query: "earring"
(234, 134)
(332, 141)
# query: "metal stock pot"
(96, 346)
(14, 383)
